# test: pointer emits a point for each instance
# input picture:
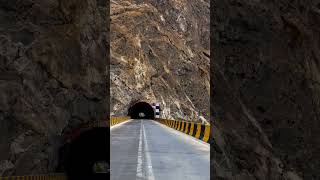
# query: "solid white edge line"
(184, 135)
(150, 175)
(120, 124)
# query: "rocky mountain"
(160, 53)
(53, 59)
(266, 89)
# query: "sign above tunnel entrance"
(156, 107)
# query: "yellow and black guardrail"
(117, 120)
(197, 130)
(37, 177)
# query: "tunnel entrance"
(89, 155)
(141, 110)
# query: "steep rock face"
(159, 53)
(266, 89)
(52, 78)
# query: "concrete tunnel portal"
(141, 110)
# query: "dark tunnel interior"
(88, 155)
(141, 110)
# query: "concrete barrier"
(197, 130)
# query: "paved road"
(148, 150)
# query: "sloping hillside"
(159, 53)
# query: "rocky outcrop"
(159, 53)
(266, 90)
(53, 59)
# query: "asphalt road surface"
(148, 150)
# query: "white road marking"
(139, 163)
(157, 152)
(144, 165)
(120, 124)
(150, 175)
